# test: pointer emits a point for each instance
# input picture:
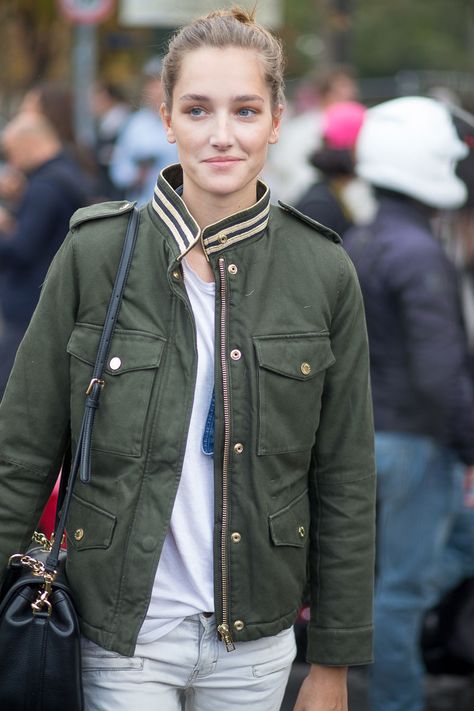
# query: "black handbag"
(40, 650)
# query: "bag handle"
(82, 458)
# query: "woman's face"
(222, 122)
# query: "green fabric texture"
(301, 492)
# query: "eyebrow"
(201, 97)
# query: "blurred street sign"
(163, 13)
(87, 12)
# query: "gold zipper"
(224, 629)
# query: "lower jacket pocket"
(289, 526)
(89, 526)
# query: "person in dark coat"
(422, 392)
(54, 189)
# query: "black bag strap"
(81, 459)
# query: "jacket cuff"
(339, 647)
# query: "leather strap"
(95, 387)
(81, 459)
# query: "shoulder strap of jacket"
(322, 229)
(100, 210)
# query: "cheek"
(258, 142)
(192, 134)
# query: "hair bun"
(246, 17)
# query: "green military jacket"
(293, 454)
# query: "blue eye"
(196, 111)
(246, 113)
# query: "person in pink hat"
(336, 199)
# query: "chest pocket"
(129, 376)
(291, 371)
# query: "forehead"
(226, 70)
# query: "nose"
(221, 134)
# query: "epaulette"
(322, 229)
(101, 209)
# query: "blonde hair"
(226, 28)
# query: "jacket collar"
(241, 226)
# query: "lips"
(222, 159)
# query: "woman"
(232, 450)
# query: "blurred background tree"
(381, 38)
(389, 36)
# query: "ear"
(276, 122)
(166, 119)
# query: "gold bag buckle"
(92, 383)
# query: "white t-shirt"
(184, 582)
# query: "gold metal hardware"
(236, 537)
(305, 368)
(92, 383)
(301, 531)
(43, 541)
(232, 269)
(79, 534)
(239, 625)
(176, 274)
(235, 354)
(42, 603)
(238, 448)
(226, 637)
(222, 238)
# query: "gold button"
(238, 447)
(239, 625)
(301, 531)
(79, 534)
(305, 368)
(176, 274)
(222, 238)
(236, 537)
(232, 269)
(115, 363)
(235, 354)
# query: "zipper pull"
(226, 638)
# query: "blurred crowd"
(397, 182)
(46, 175)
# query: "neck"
(42, 156)
(207, 210)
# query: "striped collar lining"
(186, 232)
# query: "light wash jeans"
(189, 668)
(418, 499)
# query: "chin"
(224, 185)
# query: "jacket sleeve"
(430, 310)
(34, 413)
(342, 491)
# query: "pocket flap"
(290, 525)
(89, 526)
(298, 356)
(130, 350)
